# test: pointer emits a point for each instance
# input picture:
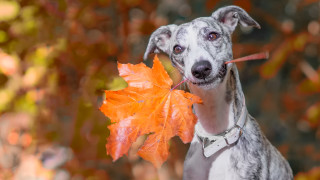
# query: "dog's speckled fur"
(252, 156)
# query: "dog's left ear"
(159, 40)
(230, 16)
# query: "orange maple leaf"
(148, 106)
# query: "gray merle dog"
(228, 143)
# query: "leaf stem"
(179, 84)
(263, 55)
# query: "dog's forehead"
(196, 25)
(201, 22)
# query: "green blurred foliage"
(58, 57)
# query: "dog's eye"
(212, 36)
(178, 49)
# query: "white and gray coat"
(199, 50)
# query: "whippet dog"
(228, 143)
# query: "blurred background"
(58, 56)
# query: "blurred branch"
(307, 69)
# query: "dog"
(228, 143)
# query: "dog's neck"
(221, 105)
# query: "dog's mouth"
(221, 74)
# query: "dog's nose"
(201, 69)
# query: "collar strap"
(213, 143)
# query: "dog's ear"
(230, 16)
(159, 40)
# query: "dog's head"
(200, 48)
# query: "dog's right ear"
(230, 16)
(159, 40)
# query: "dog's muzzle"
(201, 71)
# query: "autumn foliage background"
(58, 57)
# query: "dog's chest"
(217, 166)
(220, 167)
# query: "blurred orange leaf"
(313, 174)
(308, 87)
(313, 115)
(211, 4)
(8, 64)
(148, 106)
(271, 67)
(279, 56)
(8, 10)
(245, 4)
(307, 3)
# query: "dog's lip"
(222, 72)
(205, 82)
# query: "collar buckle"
(236, 128)
(224, 137)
